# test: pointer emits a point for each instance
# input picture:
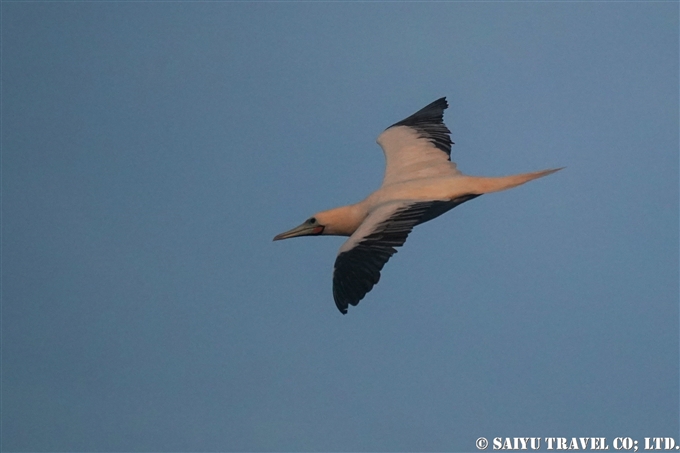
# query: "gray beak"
(303, 230)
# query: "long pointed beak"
(302, 230)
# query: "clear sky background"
(151, 150)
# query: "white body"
(420, 183)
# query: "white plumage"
(420, 183)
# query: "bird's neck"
(342, 221)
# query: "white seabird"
(420, 183)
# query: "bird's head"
(310, 227)
(342, 221)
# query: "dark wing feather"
(429, 123)
(357, 269)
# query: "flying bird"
(420, 183)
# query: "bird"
(420, 183)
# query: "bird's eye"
(311, 221)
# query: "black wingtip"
(434, 108)
(342, 308)
(439, 103)
(432, 112)
(429, 122)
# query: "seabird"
(420, 183)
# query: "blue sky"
(151, 150)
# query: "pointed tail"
(488, 185)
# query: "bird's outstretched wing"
(418, 146)
(362, 257)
